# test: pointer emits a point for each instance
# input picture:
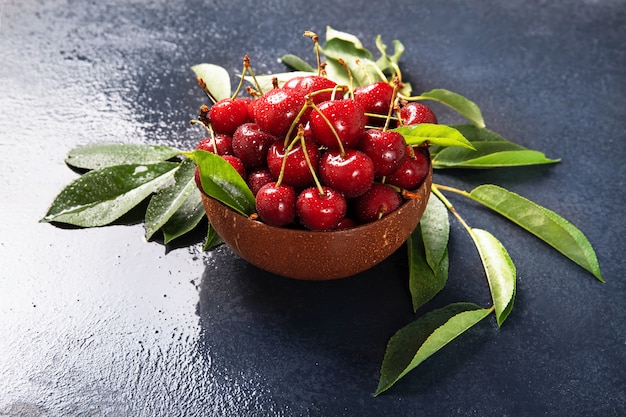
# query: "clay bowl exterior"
(316, 255)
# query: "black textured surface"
(101, 323)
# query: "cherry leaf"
(222, 182)
(419, 340)
(541, 222)
(500, 272)
(212, 239)
(185, 219)
(216, 78)
(435, 134)
(100, 197)
(169, 199)
(96, 156)
(464, 106)
(297, 63)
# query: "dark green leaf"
(417, 341)
(98, 156)
(169, 199)
(185, 219)
(222, 182)
(489, 155)
(500, 271)
(464, 106)
(99, 197)
(543, 223)
(435, 134)
(216, 78)
(428, 254)
(297, 63)
(212, 239)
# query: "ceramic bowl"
(317, 255)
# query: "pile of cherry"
(317, 156)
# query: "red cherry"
(196, 177)
(352, 174)
(411, 172)
(236, 163)
(346, 117)
(415, 112)
(227, 114)
(276, 110)
(320, 211)
(308, 84)
(250, 144)
(386, 149)
(220, 142)
(297, 172)
(377, 202)
(276, 205)
(258, 178)
(375, 98)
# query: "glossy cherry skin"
(411, 173)
(351, 174)
(221, 143)
(276, 205)
(237, 164)
(308, 84)
(347, 118)
(375, 98)
(276, 110)
(377, 202)
(386, 149)
(258, 178)
(228, 114)
(297, 172)
(320, 211)
(250, 144)
(415, 112)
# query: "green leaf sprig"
(118, 177)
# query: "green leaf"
(297, 63)
(216, 78)
(435, 134)
(541, 222)
(169, 199)
(500, 272)
(212, 239)
(222, 182)
(185, 219)
(420, 339)
(101, 196)
(428, 254)
(385, 59)
(462, 105)
(332, 34)
(489, 155)
(98, 156)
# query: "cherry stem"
(208, 129)
(316, 42)
(435, 189)
(308, 161)
(246, 69)
(288, 149)
(365, 71)
(206, 89)
(342, 151)
(396, 84)
(345, 66)
(296, 121)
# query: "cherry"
(196, 177)
(308, 84)
(351, 173)
(276, 110)
(346, 117)
(250, 144)
(377, 202)
(258, 178)
(227, 114)
(236, 163)
(220, 142)
(386, 149)
(414, 112)
(276, 204)
(375, 98)
(346, 223)
(320, 210)
(297, 172)
(411, 172)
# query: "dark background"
(100, 322)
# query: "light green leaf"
(216, 78)
(419, 340)
(185, 219)
(543, 223)
(101, 196)
(489, 155)
(169, 199)
(297, 63)
(384, 61)
(462, 105)
(98, 156)
(435, 229)
(435, 134)
(500, 271)
(222, 182)
(344, 36)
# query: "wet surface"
(101, 322)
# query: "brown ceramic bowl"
(315, 255)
